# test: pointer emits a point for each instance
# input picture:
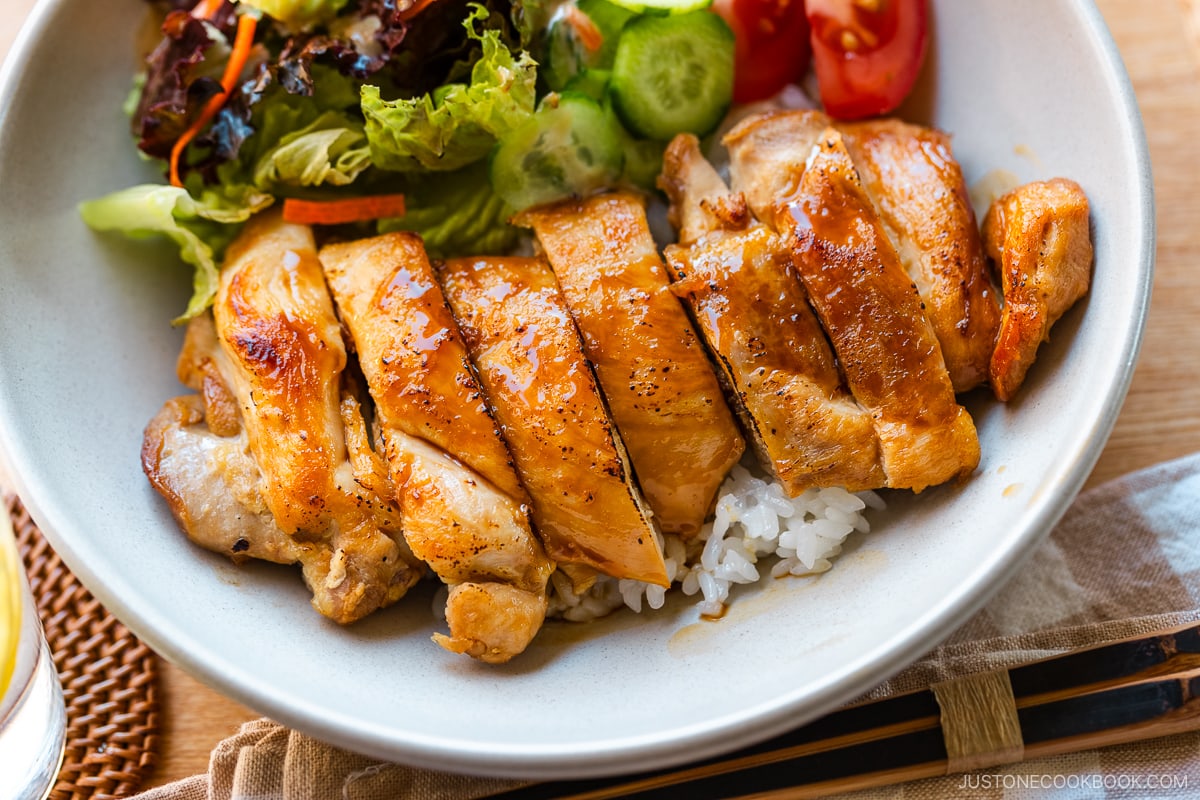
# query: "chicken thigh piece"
(1038, 237)
(465, 512)
(910, 174)
(282, 359)
(569, 455)
(874, 317)
(211, 484)
(197, 455)
(655, 375)
(738, 280)
(914, 184)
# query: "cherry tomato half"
(867, 53)
(771, 46)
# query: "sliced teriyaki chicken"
(1038, 238)
(282, 359)
(197, 455)
(656, 377)
(872, 313)
(914, 183)
(465, 512)
(567, 451)
(910, 174)
(737, 278)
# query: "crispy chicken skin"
(737, 278)
(283, 343)
(215, 489)
(1038, 238)
(567, 451)
(873, 315)
(656, 377)
(465, 512)
(282, 359)
(911, 176)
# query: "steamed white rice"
(757, 530)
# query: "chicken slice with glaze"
(910, 174)
(567, 451)
(465, 512)
(873, 314)
(737, 278)
(196, 453)
(1038, 237)
(767, 153)
(655, 375)
(282, 359)
(916, 187)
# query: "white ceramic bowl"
(86, 357)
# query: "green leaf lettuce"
(331, 150)
(201, 228)
(458, 123)
(456, 214)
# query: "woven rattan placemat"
(109, 678)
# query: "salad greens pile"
(471, 109)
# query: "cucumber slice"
(643, 162)
(564, 55)
(611, 19)
(567, 56)
(673, 74)
(663, 6)
(566, 149)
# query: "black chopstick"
(902, 733)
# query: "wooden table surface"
(1160, 42)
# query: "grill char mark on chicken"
(197, 453)
(283, 361)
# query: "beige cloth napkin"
(1124, 561)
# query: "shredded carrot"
(339, 212)
(589, 35)
(238, 56)
(416, 8)
(206, 8)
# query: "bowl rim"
(693, 742)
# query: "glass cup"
(33, 716)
